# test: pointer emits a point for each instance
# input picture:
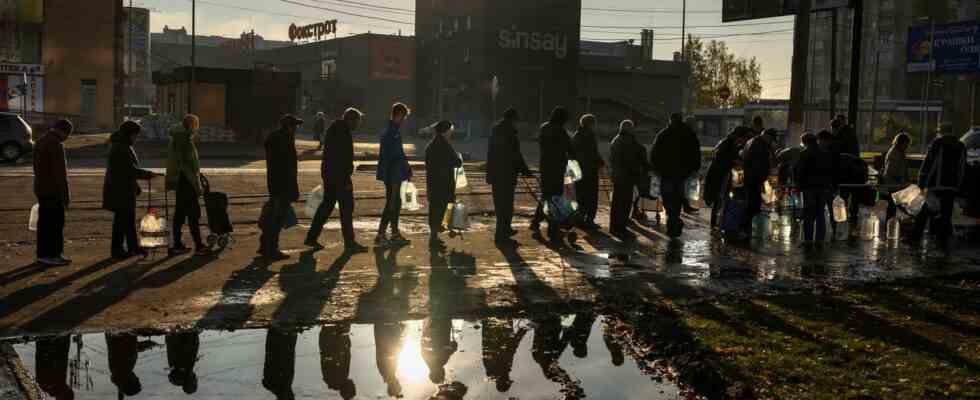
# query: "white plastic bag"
(910, 199)
(573, 172)
(32, 219)
(410, 197)
(313, 201)
(461, 181)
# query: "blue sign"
(946, 49)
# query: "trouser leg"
(392, 210)
(622, 203)
(180, 214)
(50, 228)
(272, 225)
(437, 211)
(132, 240)
(503, 205)
(587, 191)
(673, 196)
(345, 196)
(323, 213)
(753, 204)
(193, 212)
(945, 219)
(118, 232)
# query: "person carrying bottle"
(942, 176)
(556, 149)
(718, 179)
(441, 161)
(281, 171)
(757, 158)
(814, 174)
(120, 189)
(675, 157)
(895, 175)
(504, 163)
(628, 162)
(184, 177)
(53, 193)
(586, 148)
(393, 169)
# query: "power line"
(649, 10)
(394, 21)
(276, 14)
(366, 6)
(689, 27)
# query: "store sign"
(953, 48)
(554, 42)
(30, 69)
(313, 31)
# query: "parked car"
(16, 138)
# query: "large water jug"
(32, 219)
(694, 189)
(761, 226)
(894, 229)
(869, 224)
(840, 210)
(153, 231)
(460, 220)
(410, 197)
(573, 172)
(786, 228)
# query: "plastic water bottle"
(869, 224)
(410, 196)
(694, 189)
(786, 228)
(761, 228)
(32, 219)
(894, 229)
(840, 210)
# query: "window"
(328, 69)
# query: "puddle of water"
(540, 358)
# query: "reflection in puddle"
(539, 358)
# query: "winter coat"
(628, 159)
(787, 159)
(556, 149)
(726, 154)
(51, 169)
(120, 186)
(586, 149)
(182, 160)
(896, 172)
(393, 165)
(338, 153)
(847, 141)
(947, 173)
(816, 169)
(757, 161)
(504, 158)
(676, 152)
(441, 160)
(281, 165)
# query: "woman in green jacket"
(183, 176)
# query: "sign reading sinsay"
(317, 31)
(554, 42)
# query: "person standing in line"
(942, 176)
(586, 149)
(319, 126)
(336, 170)
(393, 169)
(814, 174)
(53, 193)
(441, 161)
(628, 161)
(896, 173)
(120, 189)
(504, 163)
(718, 179)
(675, 157)
(184, 177)
(556, 149)
(757, 163)
(281, 170)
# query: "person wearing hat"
(441, 161)
(504, 163)
(52, 191)
(184, 177)
(757, 162)
(675, 157)
(120, 189)
(281, 170)
(586, 148)
(941, 177)
(628, 170)
(338, 188)
(556, 150)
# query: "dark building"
(478, 57)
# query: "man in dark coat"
(281, 170)
(941, 176)
(675, 157)
(504, 163)
(587, 154)
(628, 162)
(757, 159)
(120, 188)
(814, 173)
(441, 161)
(556, 149)
(717, 180)
(52, 191)
(336, 170)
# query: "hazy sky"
(271, 19)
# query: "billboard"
(953, 48)
(741, 10)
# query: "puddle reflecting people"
(182, 350)
(441, 161)
(281, 170)
(51, 361)
(53, 193)
(675, 157)
(586, 148)
(500, 343)
(393, 169)
(280, 363)
(123, 351)
(628, 161)
(556, 149)
(578, 334)
(336, 170)
(718, 179)
(184, 177)
(387, 344)
(941, 178)
(546, 349)
(504, 162)
(757, 159)
(617, 357)
(335, 356)
(438, 346)
(814, 175)
(120, 189)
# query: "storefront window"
(20, 31)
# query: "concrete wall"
(78, 44)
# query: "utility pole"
(801, 40)
(129, 72)
(874, 96)
(856, 39)
(683, 30)
(190, 84)
(925, 88)
(833, 63)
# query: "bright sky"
(769, 40)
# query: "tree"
(714, 67)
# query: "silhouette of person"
(280, 363)
(123, 350)
(387, 343)
(578, 334)
(500, 343)
(615, 349)
(438, 346)
(182, 351)
(546, 349)
(335, 355)
(51, 358)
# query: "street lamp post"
(190, 84)
(925, 88)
